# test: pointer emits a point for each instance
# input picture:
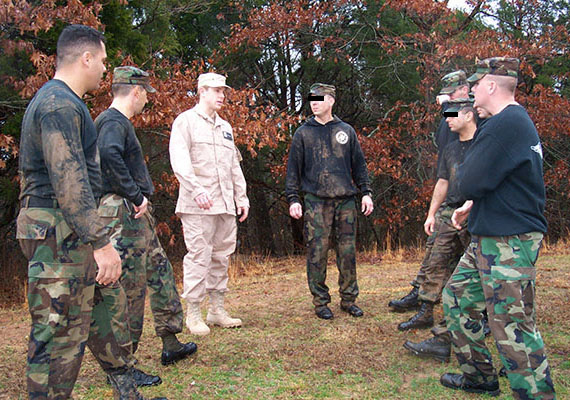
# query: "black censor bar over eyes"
(450, 114)
(316, 98)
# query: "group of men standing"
(87, 229)
(493, 189)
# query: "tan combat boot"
(194, 320)
(217, 314)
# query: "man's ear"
(86, 58)
(492, 88)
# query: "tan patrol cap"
(211, 79)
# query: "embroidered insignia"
(537, 148)
(227, 135)
(341, 137)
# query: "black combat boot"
(458, 382)
(437, 347)
(141, 378)
(406, 303)
(173, 350)
(124, 386)
(423, 319)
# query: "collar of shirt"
(217, 121)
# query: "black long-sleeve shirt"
(327, 161)
(59, 159)
(122, 161)
(443, 135)
(502, 174)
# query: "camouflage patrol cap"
(132, 76)
(459, 104)
(495, 66)
(321, 89)
(452, 81)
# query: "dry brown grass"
(285, 352)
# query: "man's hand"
(367, 205)
(140, 210)
(108, 263)
(295, 210)
(204, 201)
(460, 215)
(442, 98)
(244, 212)
(429, 225)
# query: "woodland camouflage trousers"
(145, 265)
(498, 274)
(62, 297)
(323, 217)
(444, 248)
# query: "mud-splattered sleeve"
(67, 169)
(294, 168)
(359, 170)
(111, 144)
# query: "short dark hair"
(122, 89)
(74, 40)
(470, 109)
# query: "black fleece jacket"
(326, 161)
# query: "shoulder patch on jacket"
(537, 148)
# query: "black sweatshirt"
(327, 161)
(122, 160)
(502, 174)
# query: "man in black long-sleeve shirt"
(454, 87)
(60, 233)
(327, 163)
(127, 186)
(502, 175)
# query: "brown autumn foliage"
(268, 104)
(441, 45)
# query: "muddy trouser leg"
(319, 214)
(447, 249)
(345, 246)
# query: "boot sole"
(423, 326)
(427, 355)
(224, 325)
(403, 309)
(493, 393)
(199, 333)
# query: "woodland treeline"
(384, 57)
